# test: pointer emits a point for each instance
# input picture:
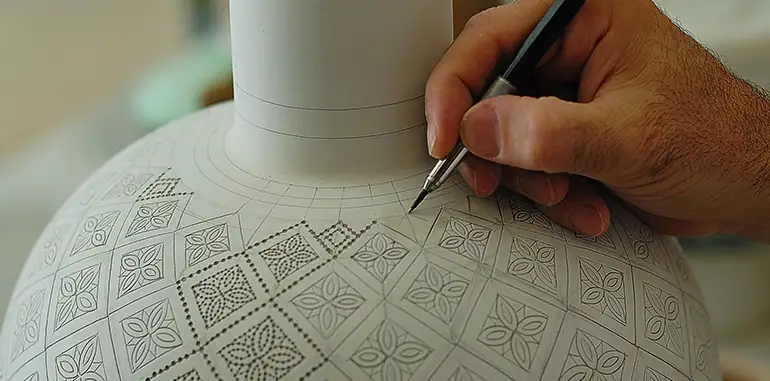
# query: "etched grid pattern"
(515, 293)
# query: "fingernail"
(431, 137)
(588, 220)
(536, 188)
(480, 132)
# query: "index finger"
(463, 70)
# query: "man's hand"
(657, 119)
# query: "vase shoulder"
(175, 261)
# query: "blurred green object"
(174, 88)
(203, 16)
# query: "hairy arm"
(735, 115)
(751, 116)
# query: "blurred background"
(81, 80)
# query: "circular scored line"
(327, 109)
(356, 137)
(215, 142)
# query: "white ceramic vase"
(268, 239)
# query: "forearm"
(752, 110)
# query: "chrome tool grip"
(446, 166)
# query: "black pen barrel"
(542, 37)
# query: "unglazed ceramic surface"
(268, 239)
(172, 262)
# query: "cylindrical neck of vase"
(333, 86)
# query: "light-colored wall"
(58, 57)
(464, 9)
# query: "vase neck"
(308, 72)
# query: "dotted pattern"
(200, 346)
(150, 193)
(516, 232)
(331, 233)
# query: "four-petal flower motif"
(328, 303)
(662, 319)
(150, 333)
(593, 359)
(264, 352)
(27, 329)
(287, 256)
(514, 330)
(221, 294)
(390, 353)
(535, 263)
(95, 231)
(139, 268)
(601, 287)
(153, 216)
(82, 362)
(465, 238)
(205, 243)
(437, 291)
(77, 295)
(380, 255)
(523, 211)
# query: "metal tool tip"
(418, 200)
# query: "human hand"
(656, 119)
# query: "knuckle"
(478, 20)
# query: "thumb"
(539, 134)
